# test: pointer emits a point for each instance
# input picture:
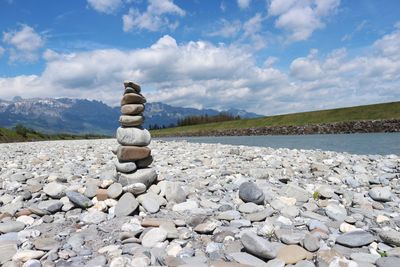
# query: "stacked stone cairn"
(133, 153)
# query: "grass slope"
(8, 136)
(368, 112)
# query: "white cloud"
(227, 29)
(105, 6)
(243, 4)
(301, 17)
(154, 18)
(2, 50)
(201, 74)
(24, 43)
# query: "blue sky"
(265, 56)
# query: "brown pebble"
(132, 99)
(132, 153)
(23, 212)
(101, 194)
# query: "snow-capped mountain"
(89, 116)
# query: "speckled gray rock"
(51, 205)
(250, 192)
(391, 237)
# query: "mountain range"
(55, 115)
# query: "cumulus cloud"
(243, 4)
(24, 43)
(300, 18)
(204, 75)
(155, 17)
(105, 6)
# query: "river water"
(368, 143)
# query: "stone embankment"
(372, 126)
(211, 205)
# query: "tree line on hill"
(195, 120)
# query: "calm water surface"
(370, 143)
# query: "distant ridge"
(82, 116)
(384, 117)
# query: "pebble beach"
(62, 204)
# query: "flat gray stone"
(114, 190)
(149, 202)
(336, 212)
(7, 251)
(153, 237)
(46, 244)
(259, 246)
(174, 192)
(79, 200)
(11, 226)
(55, 190)
(382, 194)
(247, 259)
(355, 239)
(94, 217)
(126, 205)
(51, 205)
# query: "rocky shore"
(211, 205)
(367, 126)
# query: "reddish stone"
(132, 98)
(132, 153)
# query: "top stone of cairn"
(131, 87)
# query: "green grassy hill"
(25, 135)
(368, 112)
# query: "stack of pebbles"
(134, 157)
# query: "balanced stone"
(132, 99)
(132, 153)
(132, 109)
(129, 121)
(129, 90)
(132, 85)
(146, 176)
(143, 163)
(133, 136)
(125, 167)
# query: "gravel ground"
(62, 204)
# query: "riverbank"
(212, 205)
(346, 127)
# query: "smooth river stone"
(355, 239)
(128, 121)
(133, 136)
(126, 205)
(132, 99)
(145, 176)
(132, 109)
(132, 153)
(133, 85)
(125, 167)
